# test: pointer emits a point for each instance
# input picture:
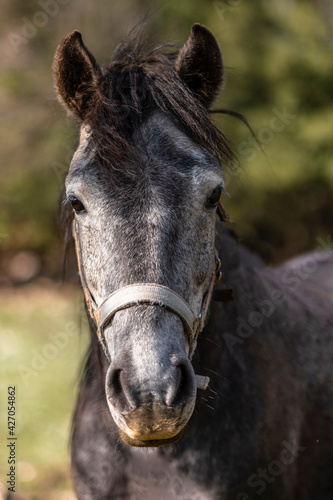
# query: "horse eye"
(77, 205)
(214, 197)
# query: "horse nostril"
(117, 391)
(115, 383)
(183, 387)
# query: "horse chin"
(151, 425)
(149, 443)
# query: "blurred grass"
(41, 349)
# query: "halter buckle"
(218, 272)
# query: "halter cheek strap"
(147, 293)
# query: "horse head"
(143, 187)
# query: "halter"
(152, 294)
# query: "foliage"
(278, 58)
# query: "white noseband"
(147, 293)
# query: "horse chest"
(153, 477)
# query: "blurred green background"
(279, 74)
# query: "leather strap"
(146, 293)
(91, 304)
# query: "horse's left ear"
(199, 64)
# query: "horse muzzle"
(155, 411)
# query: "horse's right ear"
(76, 74)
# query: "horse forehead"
(158, 127)
(164, 149)
(160, 137)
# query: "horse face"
(157, 226)
(144, 193)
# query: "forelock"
(138, 81)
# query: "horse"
(195, 386)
